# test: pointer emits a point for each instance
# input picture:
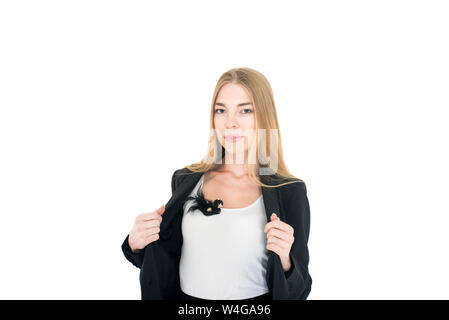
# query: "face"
(234, 119)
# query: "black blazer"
(159, 261)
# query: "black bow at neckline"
(207, 207)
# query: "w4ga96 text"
(246, 309)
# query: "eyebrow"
(239, 105)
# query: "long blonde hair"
(259, 90)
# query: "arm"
(297, 279)
(136, 258)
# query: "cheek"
(218, 130)
(249, 125)
(219, 122)
(247, 121)
(251, 138)
(219, 127)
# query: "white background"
(102, 100)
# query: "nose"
(231, 122)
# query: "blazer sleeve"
(298, 280)
(137, 258)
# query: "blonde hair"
(259, 90)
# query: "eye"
(249, 111)
(217, 111)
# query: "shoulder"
(295, 202)
(290, 190)
(180, 174)
(295, 189)
(293, 185)
(284, 184)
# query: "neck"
(237, 164)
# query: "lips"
(232, 138)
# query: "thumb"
(161, 209)
(274, 217)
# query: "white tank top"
(224, 256)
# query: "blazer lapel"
(175, 203)
(271, 202)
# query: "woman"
(237, 224)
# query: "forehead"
(232, 93)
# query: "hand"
(146, 229)
(280, 239)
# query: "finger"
(152, 237)
(275, 248)
(286, 230)
(278, 242)
(151, 231)
(149, 216)
(150, 224)
(280, 234)
(161, 209)
(274, 217)
(278, 224)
